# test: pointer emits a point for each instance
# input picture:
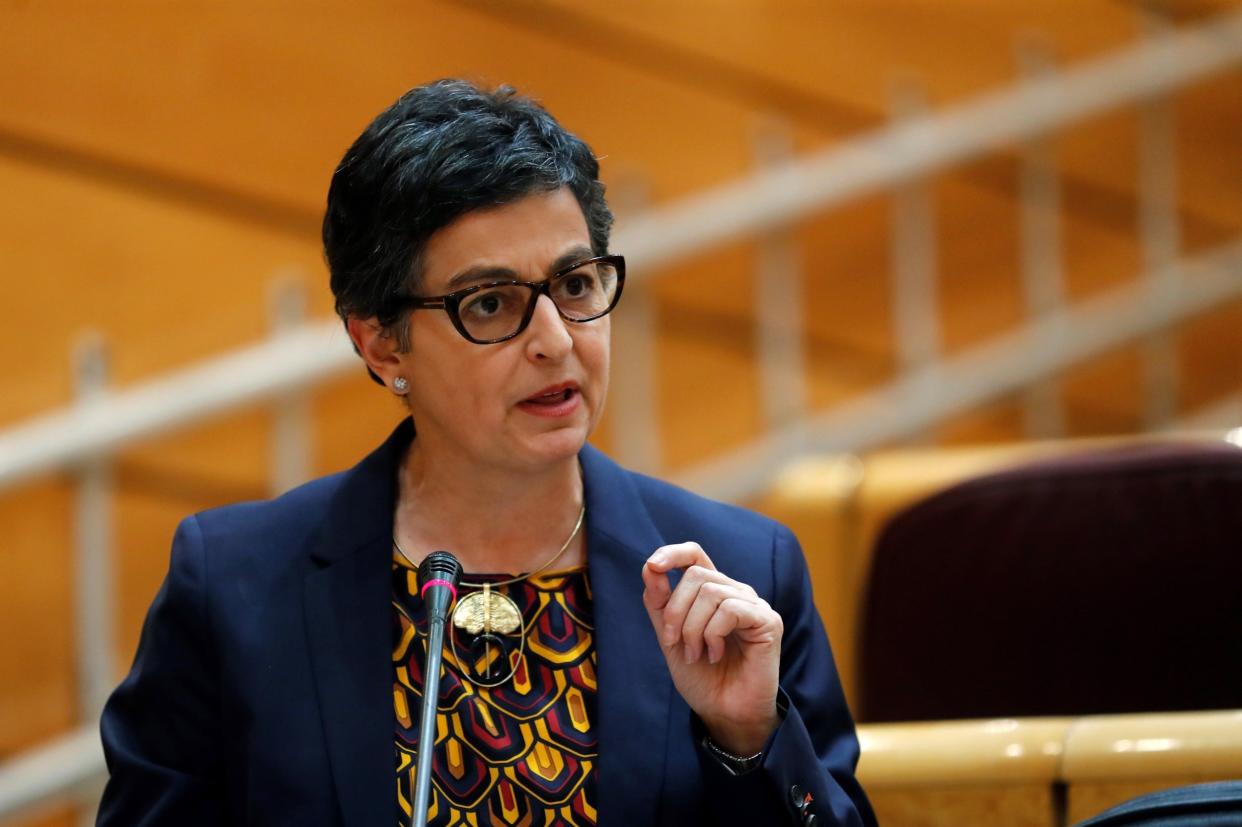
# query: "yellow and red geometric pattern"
(521, 753)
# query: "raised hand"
(722, 643)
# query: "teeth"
(554, 395)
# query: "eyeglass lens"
(581, 294)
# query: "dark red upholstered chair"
(1103, 582)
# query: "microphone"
(437, 577)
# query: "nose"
(547, 335)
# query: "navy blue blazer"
(261, 692)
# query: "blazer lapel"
(348, 625)
(635, 690)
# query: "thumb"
(655, 598)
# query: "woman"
(622, 651)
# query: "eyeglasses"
(489, 313)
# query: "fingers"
(679, 556)
(691, 604)
(656, 593)
(658, 589)
(655, 577)
(704, 609)
(736, 615)
(711, 600)
(666, 559)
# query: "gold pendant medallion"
(487, 615)
(487, 612)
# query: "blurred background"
(876, 248)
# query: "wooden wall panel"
(255, 99)
(1208, 120)
(163, 282)
(847, 53)
(708, 386)
(1210, 356)
(37, 699)
(980, 292)
(1000, 421)
(848, 300)
(995, 805)
(1100, 236)
(57, 816)
(214, 114)
(1106, 395)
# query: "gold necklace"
(488, 614)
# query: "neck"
(493, 520)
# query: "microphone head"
(439, 565)
(437, 578)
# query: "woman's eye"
(486, 304)
(576, 284)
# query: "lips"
(554, 401)
(554, 395)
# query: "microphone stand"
(437, 575)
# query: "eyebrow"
(485, 272)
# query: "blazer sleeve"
(807, 773)
(160, 727)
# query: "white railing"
(922, 145)
(1005, 364)
(83, 437)
(109, 420)
(772, 198)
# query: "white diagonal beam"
(980, 374)
(285, 363)
(882, 159)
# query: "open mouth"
(553, 397)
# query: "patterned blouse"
(524, 751)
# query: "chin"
(557, 446)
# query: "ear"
(376, 347)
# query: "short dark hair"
(441, 151)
